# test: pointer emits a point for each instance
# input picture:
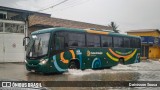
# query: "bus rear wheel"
(121, 61)
(73, 65)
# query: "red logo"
(13, 45)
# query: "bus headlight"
(43, 61)
(25, 61)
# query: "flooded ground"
(144, 71)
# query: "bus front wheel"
(73, 65)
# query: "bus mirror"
(25, 41)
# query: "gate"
(11, 41)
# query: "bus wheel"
(73, 65)
(121, 61)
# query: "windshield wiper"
(39, 44)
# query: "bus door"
(59, 51)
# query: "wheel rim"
(121, 61)
(72, 65)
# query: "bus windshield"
(38, 45)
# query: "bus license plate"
(32, 70)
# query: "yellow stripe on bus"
(65, 60)
(112, 58)
(126, 58)
(73, 54)
(97, 32)
(62, 58)
(131, 55)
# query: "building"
(15, 24)
(13, 28)
(150, 42)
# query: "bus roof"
(48, 30)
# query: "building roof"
(57, 22)
(3, 8)
(143, 30)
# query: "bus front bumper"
(40, 68)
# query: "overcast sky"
(127, 14)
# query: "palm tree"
(114, 27)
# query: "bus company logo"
(88, 53)
(96, 53)
(6, 84)
(78, 52)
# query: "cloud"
(9, 3)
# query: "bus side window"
(76, 39)
(135, 43)
(59, 43)
(138, 43)
(127, 42)
(118, 42)
(93, 40)
(106, 41)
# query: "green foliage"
(114, 27)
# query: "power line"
(68, 4)
(72, 5)
(54, 5)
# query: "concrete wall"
(154, 52)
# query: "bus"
(55, 50)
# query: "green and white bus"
(59, 49)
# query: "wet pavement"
(143, 71)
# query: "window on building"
(14, 28)
(93, 40)
(106, 41)
(1, 27)
(2, 16)
(118, 41)
(76, 39)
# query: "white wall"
(11, 44)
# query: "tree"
(114, 27)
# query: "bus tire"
(121, 61)
(74, 64)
